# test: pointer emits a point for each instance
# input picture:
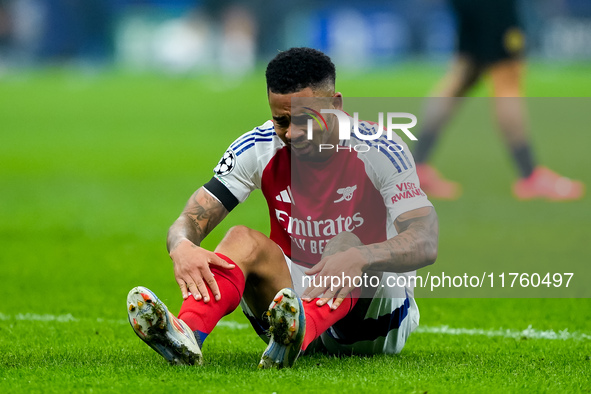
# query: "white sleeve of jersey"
(392, 170)
(241, 167)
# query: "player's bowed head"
(301, 82)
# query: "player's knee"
(341, 242)
(506, 78)
(241, 236)
(238, 233)
(245, 243)
(347, 238)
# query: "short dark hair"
(299, 68)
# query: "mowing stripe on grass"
(37, 317)
(529, 332)
(69, 318)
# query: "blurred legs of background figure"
(5, 34)
(490, 40)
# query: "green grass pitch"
(93, 170)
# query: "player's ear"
(337, 100)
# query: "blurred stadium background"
(200, 36)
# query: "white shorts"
(378, 325)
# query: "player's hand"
(343, 264)
(192, 272)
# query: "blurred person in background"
(5, 33)
(243, 33)
(490, 41)
(236, 43)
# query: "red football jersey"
(310, 202)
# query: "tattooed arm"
(201, 214)
(414, 247)
(191, 262)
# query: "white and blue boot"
(287, 326)
(161, 330)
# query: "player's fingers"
(306, 294)
(312, 292)
(201, 288)
(183, 287)
(316, 269)
(213, 286)
(217, 260)
(322, 301)
(194, 290)
(327, 296)
(192, 284)
(340, 298)
(337, 302)
(313, 271)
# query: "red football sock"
(203, 317)
(320, 318)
